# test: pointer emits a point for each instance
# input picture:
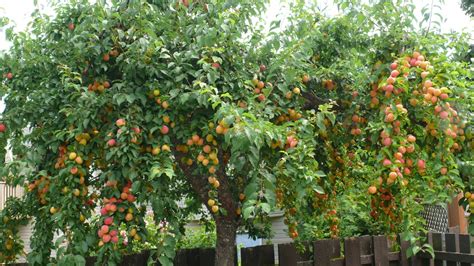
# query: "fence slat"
(450, 242)
(380, 251)
(258, 256)
(287, 255)
(325, 250)
(465, 246)
(352, 251)
(206, 256)
(404, 245)
(437, 246)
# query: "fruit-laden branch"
(198, 183)
(226, 198)
(313, 102)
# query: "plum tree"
(180, 106)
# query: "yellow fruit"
(133, 232)
(372, 190)
(215, 208)
(166, 119)
(79, 160)
(220, 129)
(468, 195)
(82, 218)
(76, 192)
(212, 170)
(156, 93)
(212, 156)
(200, 158)
(165, 148)
(155, 151)
(53, 210)
(211, 202)
(296, 90)
(211, 180)
(83, 142)
(209, 138)
(72, 156)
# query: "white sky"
(19, 12)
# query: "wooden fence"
(450, 250)
(8, 191)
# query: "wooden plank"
(206, 256)
(458, 257)
(287, 255)
(404, 245)
(325, 250)
(465, 246)
(380, 250)
(258, 256)
(352, 251)
(437, 246)
(450, 242)
(337, 262)
(366, 247)
(366, 259)
(394, 257)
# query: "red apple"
(2, 127)
(71, 26)
(9, 75)
(262, 68)
(216, 65)
(393, 66)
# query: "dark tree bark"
(227, 221)
(225, 246)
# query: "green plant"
(136, 103)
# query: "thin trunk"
(225, 247)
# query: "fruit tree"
(115, 108)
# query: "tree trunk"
(226, 250)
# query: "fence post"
(352, 251)
(380, 251)
(325, 250)
(450, 241)
(464, 246)
(403, 251)
(206, 256)
(258, 256)
(437, 246)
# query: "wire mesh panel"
(436, 217)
